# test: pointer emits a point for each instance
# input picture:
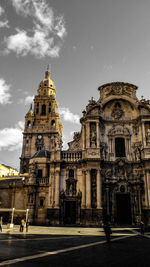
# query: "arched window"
(43, 109)
(41, 203)
(29, 124)
(120, 147)
(71, 173)
(37, 108)
(53, 123)
(49, 108)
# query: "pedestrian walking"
(142, 227)
(27, 226)
(108, 232)
(22, 225)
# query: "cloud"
(1, 10)
(66, 139)
(45, 37)
(3, 24)
(11, 138)
(4, 92)
(27, 100)
(67, 115)
(38, 45)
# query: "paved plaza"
(73, 246)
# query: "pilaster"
(88, 190)
(97, 131)
(99, 190)
(57, 174)
(83, 189)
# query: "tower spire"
(47, 72)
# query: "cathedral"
(103, 175)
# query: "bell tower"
(43, 128)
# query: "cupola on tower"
(43, 128)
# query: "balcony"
(71, 155)
(43, 181)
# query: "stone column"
(88, 190)
(139, 198)
(83, 136)
(83, 189)
(107, 195)
(57, 189)
(148, 187)
(99, 190)
(87, 135)
(143, 134)
(97, 131)
(52, 186)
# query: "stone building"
(105, 173)
(7, 171)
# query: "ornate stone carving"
(108, 173)
(75, 144)
(137, 151)
(117, 112)
(119, 130)
(148, 136)
(71, 186)
(93, 134)
(39, 142)
(103, 150)
(135, 128)
(118, 89)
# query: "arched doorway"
(123, 208)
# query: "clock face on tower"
(39, 137)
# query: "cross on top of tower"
(47, 72)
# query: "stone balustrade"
(71, 155)
(44, 180)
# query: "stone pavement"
(87, 231)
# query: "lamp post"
(27, 213)
(12, 217)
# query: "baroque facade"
(104, 174)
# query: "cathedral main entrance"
(123, 206)
(70, 212)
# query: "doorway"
(70, 212)
(123, 206)
(120, 147)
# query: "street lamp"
(12, 217)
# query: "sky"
(86, 43)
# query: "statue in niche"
(103, 150)
(93, 135)
(121, 172)
(148, 136)
(137, 153)
(117, 111)
(70, 190)
(71, 186)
